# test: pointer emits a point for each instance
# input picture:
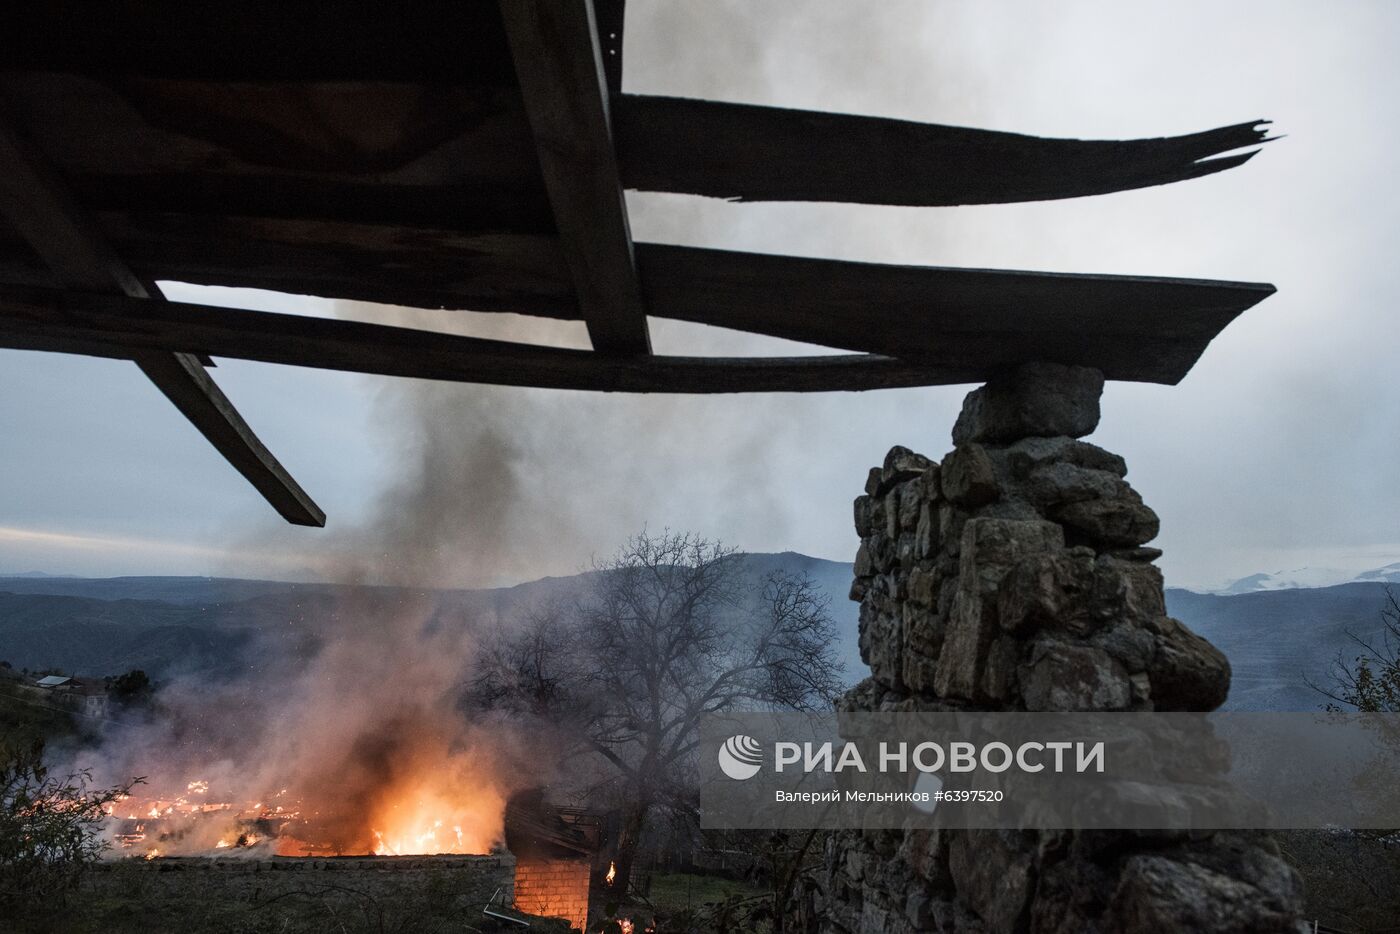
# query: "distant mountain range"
(216, 627)
(1309, 577)
(1275, 635)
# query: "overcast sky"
(1279, 450)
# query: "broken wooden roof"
(467, 155)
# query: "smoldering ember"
(493, 296)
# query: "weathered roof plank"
(744, 152)
(68, 241)
(559, 62)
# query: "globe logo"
(740, 757)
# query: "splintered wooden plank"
(117, 326)
(557, 57)
(751, 153)
(71, 245)
(1132, 328)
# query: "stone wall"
(1015, 575)
(553, 888)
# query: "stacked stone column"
(1015, 575)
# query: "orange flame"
(612, 872)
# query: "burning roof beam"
(38, 205)
(558, 60)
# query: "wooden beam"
(116, 326)
(68, 241)
(749, 153)
(557, 58)
(1133, 328)
(428, 41)
(1137, 328)
(443, 157)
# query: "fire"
(612, 872)
(427, 819)
(625, 925)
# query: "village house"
(85, 696)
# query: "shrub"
(50, 828)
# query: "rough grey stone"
(982, 602)
(1131, 646)
(859, 587)
(999, 668)
(992, 870)
(1128, 590)
(1122, 522)
(1142, 691)
(991, 547)
(861, 514)
(891, 513)
(902, 464)
(951, 521)
(1187, 672)
(872, 482)
(1059, 484)
(1025, 455)
(1062, 677)
(1256, 893)
(880, 642)
(969, 633)
(864, 566)
(969, 476)
(1033, 400)
(926, 532)
(933, 482)
(1048, 590)
(923, 586)
(911, 500)
(1146, 553)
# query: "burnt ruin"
(467, 155)
(1015, 575)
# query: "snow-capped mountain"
(1300, 578)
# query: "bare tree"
(672, 630)
(1369, 682)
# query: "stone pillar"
(1014, 575)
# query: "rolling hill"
(212, 627)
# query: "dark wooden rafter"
(750, 153)
(1137, 328)
(923, 312)
(1132, 327)
(558, 60)
(116, 326)
(610, 16)
(38, 205)
(944, 325)
(464, 158)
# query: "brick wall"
(555, 888)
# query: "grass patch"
(681, 891)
